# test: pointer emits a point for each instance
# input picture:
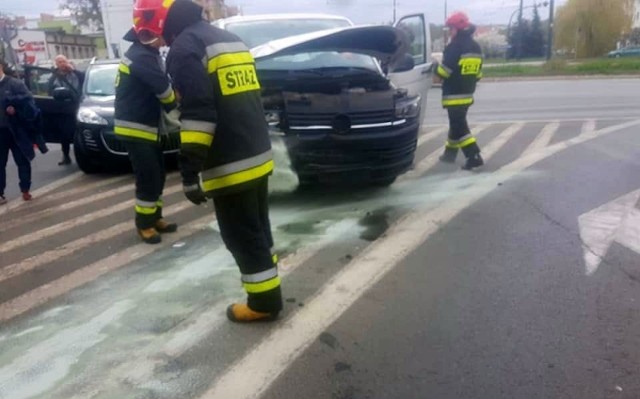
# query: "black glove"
(194, 194)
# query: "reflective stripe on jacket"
(142, 89)
(224, 133)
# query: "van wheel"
(82, 158)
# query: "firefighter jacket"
(461, 68)
(224, 132)
(142, 89)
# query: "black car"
(95, 145)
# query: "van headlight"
(408, 108)
(90, 117)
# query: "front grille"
(346, 156)
(326, 119)
(170, 144)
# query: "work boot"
(65, 161)
(449, 155)
(162, 226)
(3, 200)
(473, 162)
(241, 313)
(150, 236)
(26, 196)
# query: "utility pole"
(519, 31)
(394, 10)
(444, 28)
(550, 37)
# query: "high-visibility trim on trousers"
(261, 282)
(452, 100)
(465, 141)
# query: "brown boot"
(162, 226)
(241, 313)
(150, 236)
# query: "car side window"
(39, 81)
(415, 28)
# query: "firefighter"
(225, 148)
(461, 69)
(143, 90)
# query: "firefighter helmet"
(149, 17)
(458, 20)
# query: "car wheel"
(82, 158)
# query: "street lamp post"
(519, 44)
(550, 36)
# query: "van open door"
(418, 79)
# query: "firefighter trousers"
(244, 223)
(147, 161)
(460, 137)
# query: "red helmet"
(458, 20)
(149, 17)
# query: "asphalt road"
(494, 284)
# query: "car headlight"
(408, 108)
(272, 118)
(89, 116)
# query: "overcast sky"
(361, 11)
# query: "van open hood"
(385, 43)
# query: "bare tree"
(85, 12)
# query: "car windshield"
(101, 80)
(318, 61)
(255, 33)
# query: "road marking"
(271, 357)
(501, 140)
(617, 221)
(588, 126)
(61, 286)
(70, 224)
(18, 202)
(433, 158)
(543, 138)
(431, 135)
(69, 248)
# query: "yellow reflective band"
(238, 79)
(192, 137)
(124, 69)
(145, 211)
(167, 3)
(135, 133)
(274, 258)
(449, 144)
(467, 142)
(265, 286)
(239, 177)
(458, 101)
(229, 59)
(443, 72)
(470, 66)
(160, 203)
(168, 100)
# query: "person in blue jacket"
(19, 118)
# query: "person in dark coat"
(18, 127)
(65, 76)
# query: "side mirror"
(62, 94)
(404, 64)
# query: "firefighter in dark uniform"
(225, 148)
(143, 89)
(461, 69)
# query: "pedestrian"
(226, 150)
(143, 92)
(461, 69)
(18, 118)
(66, 76)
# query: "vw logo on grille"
(341, 124)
